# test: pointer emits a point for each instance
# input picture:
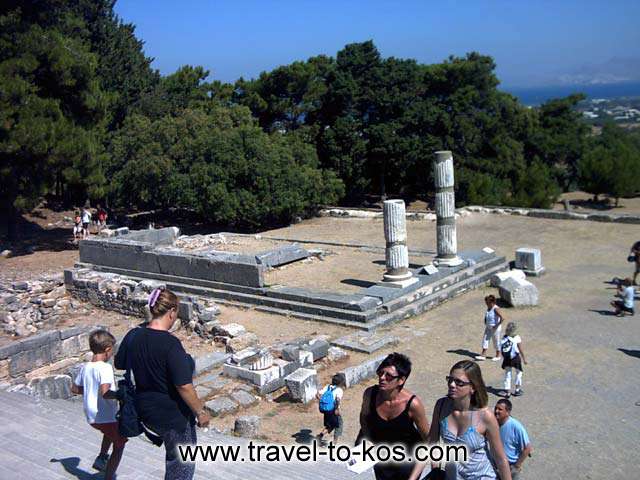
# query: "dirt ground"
(581, 383)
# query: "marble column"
(447, 243)
(395, 233)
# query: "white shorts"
(489, 334)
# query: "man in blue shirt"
(514, 437)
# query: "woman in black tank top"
(391, 414)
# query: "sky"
(533, 42)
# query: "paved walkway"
(50, 440)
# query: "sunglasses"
(457, 381)
(387, 375)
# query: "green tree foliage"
(611, 164)
(51, 111)
(219, 162)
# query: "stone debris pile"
(203, 242)
(29, 306)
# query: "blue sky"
(533, 42)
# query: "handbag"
(129, 424)
(436, 474)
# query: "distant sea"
(537, 95)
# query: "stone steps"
(428, 302)
(49, 439)
(309, 309)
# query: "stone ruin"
(238, 278)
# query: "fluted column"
(447, 243)
(395, 233)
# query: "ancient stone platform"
(238, 278)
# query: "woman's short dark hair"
(338, 380)
(479, 398)
(490, 298)
(398, 360)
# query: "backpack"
(327, 402)
(506, 345)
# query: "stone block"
(203, 391)
(185, 311)
(209, 361)
(243, 398)
(519, 293)
(318, 348)
(55, 386)
(336, 354)
(220, 406)
(529, 260)
(305, 358)
(20, 286)
(364, 371)
(230, 330)
(242, 342)
(498, 278)
(68, 278)
(429, 269)
(28, 360)
(247, 426)
(365, 342)
(70, 347)
(286, 367)
(271, 387)
(10, 349)
(213, 381)
(72, 332)
(302, 384)
(4, 369)
(282, 256)
(256, 377)
(290, 353)
(209, 314)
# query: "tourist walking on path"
(95, 382)
(102, 218)
(392, 414)
(513, 358)
(77, 226)
(330, 398)
(627, 295)
(86, 221)
(166, 400)
(493, 319)
(463, 417)
(515, 439)
(635, 252)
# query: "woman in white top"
(492, 328)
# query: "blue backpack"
(327, 402)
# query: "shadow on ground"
(464, 352)
(304, 436)
(606, 313)
(631, 353)
(70, 464)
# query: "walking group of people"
(166, 401)
(508, 347)
(168, 406)
(497, 444)
(82, 221)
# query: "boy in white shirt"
(330, 397)
(96, 383)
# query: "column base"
(448, 262)
(397, 283)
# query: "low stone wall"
(137, 251)
(23, 356)
(113, 292)
(464, 211)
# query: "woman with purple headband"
(166, 400)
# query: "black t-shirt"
(159, 363)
